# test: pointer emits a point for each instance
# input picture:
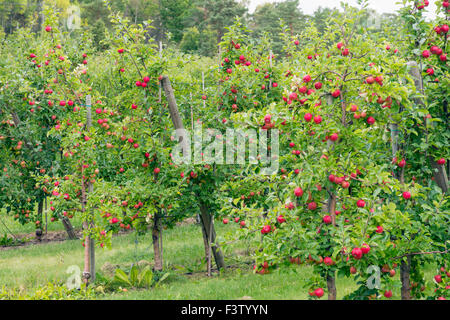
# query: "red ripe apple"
(336, 93)
(318, 85)
(434, 49)
(426, 54)
(328, 261)
(353, 270)
(370, 120)
(365, 248)
(327, 219)
(48, 28)
(401, 163)
(441, 161)
(296, 42)
(225, 221)
(388, 294)
(242, 223)
(156, 170)
(317, 119)
(303, 90)
(379, 229)
(430, 71)
(266, 229)
(444, 28)
(345, 52)
(281, 219)
(379, 80)
(318, 292)
(334, 137)
(357, 253)
(361, 203)
(312, 206)
(370, 80)
(298, 192)
(407, 195)
(308, 117)
(443, 57)
(345, 184)
(438, 278)
(340, 45)
(120, 50)
(307, 78)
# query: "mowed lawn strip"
(29, 267)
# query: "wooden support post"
(89, 244)
(203, 88)
(160, 56)
(439, 172)
(206, 217)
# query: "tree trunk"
(174, 113)
(209, 237)
(439, 172)
(209, 233)
(40, 210)
(331, 277)
(405, 268)
(440, 175)
(331, 284)
(68, 227)
(156, 233)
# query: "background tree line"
(194, 26)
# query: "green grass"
(29, 267)
(9, 225)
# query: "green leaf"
(122, 278)
(134, 275)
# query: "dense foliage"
(362, 117)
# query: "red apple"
(318, 292)
(298, 192)
(357, 253)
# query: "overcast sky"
(309, 6)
